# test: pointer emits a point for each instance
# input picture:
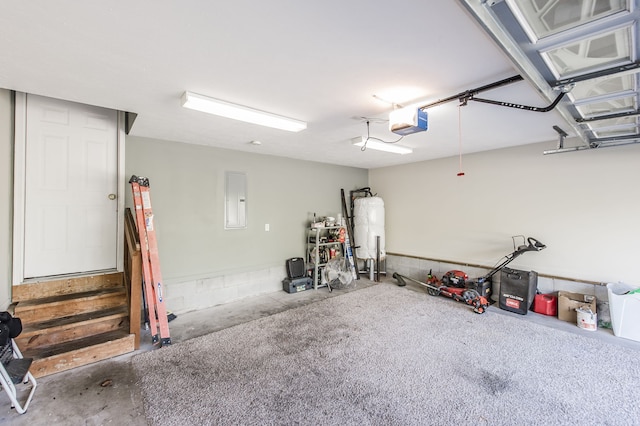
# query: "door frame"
(19, 188)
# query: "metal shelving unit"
(320, 240)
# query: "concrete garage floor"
(106, 392)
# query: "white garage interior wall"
(6, 195)
(204, 264)
(583, 205)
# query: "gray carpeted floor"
(387, 355)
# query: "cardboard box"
(569, 302)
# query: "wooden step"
(69, 322)
(68, 285)
(61, 357)
(74, 327)
(50, 308)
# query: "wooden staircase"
(76, 321)
(73, 322)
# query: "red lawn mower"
(456, 285)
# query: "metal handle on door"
(112, 196)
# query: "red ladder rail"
(150, 261)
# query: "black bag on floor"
(10, 327)
(517, 290)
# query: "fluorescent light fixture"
(238, 112)
(381, 146)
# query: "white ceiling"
(320, 62)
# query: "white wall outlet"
(266, 227)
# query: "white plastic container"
(587, 320)
(625, 310)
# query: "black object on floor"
(295, 268)
(517, 290)
(296, 285)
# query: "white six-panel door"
(71, 187)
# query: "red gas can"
(545, 304)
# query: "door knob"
(112, 196)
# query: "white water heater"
(368, 223)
